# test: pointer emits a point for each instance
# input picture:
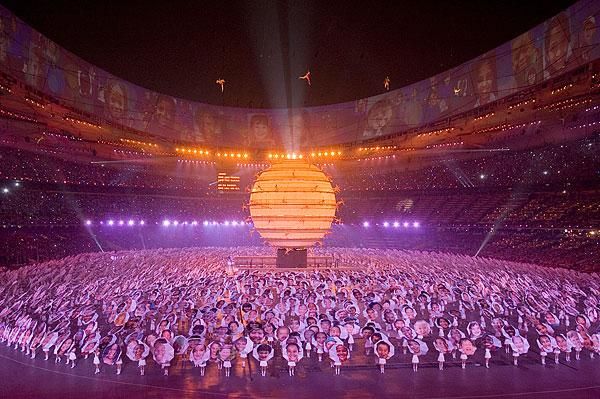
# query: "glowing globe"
(292, 204)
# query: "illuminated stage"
(267, 262)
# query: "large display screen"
(564, 42)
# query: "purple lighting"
(405, 224)
(386, 224)
(365, 224)
(172, 223)
(416, 224)
(396, 224)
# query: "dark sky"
(261, 47)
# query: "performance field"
(296, 200)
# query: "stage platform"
(270, 262)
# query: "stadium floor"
(22, 377)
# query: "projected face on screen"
(4, 40)
(85, 81)
(259, 132)
(484, 80)
(526, 61)
(116, 100)
(165, 111)
(558, 37)
(300, 132)
(259, 129)
(206, 127)
(34, 67)
(380, 115)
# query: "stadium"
(434, 239)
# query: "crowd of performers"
(176, 306)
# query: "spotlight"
(17, 184)
(386, 224)
(121, 222)
(88, 222)
(234, 223)
(405, 224)
(482, 176)
(396, 224)
(206, 222)
(416, 224)
(214, 223)
(142, 223)
(5, 190)
(194, 223)
(130, 222)
(175, 223)
(166, 223)
(365, 224)
(111, 222)
(226, 223)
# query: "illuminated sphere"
(292, 204)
